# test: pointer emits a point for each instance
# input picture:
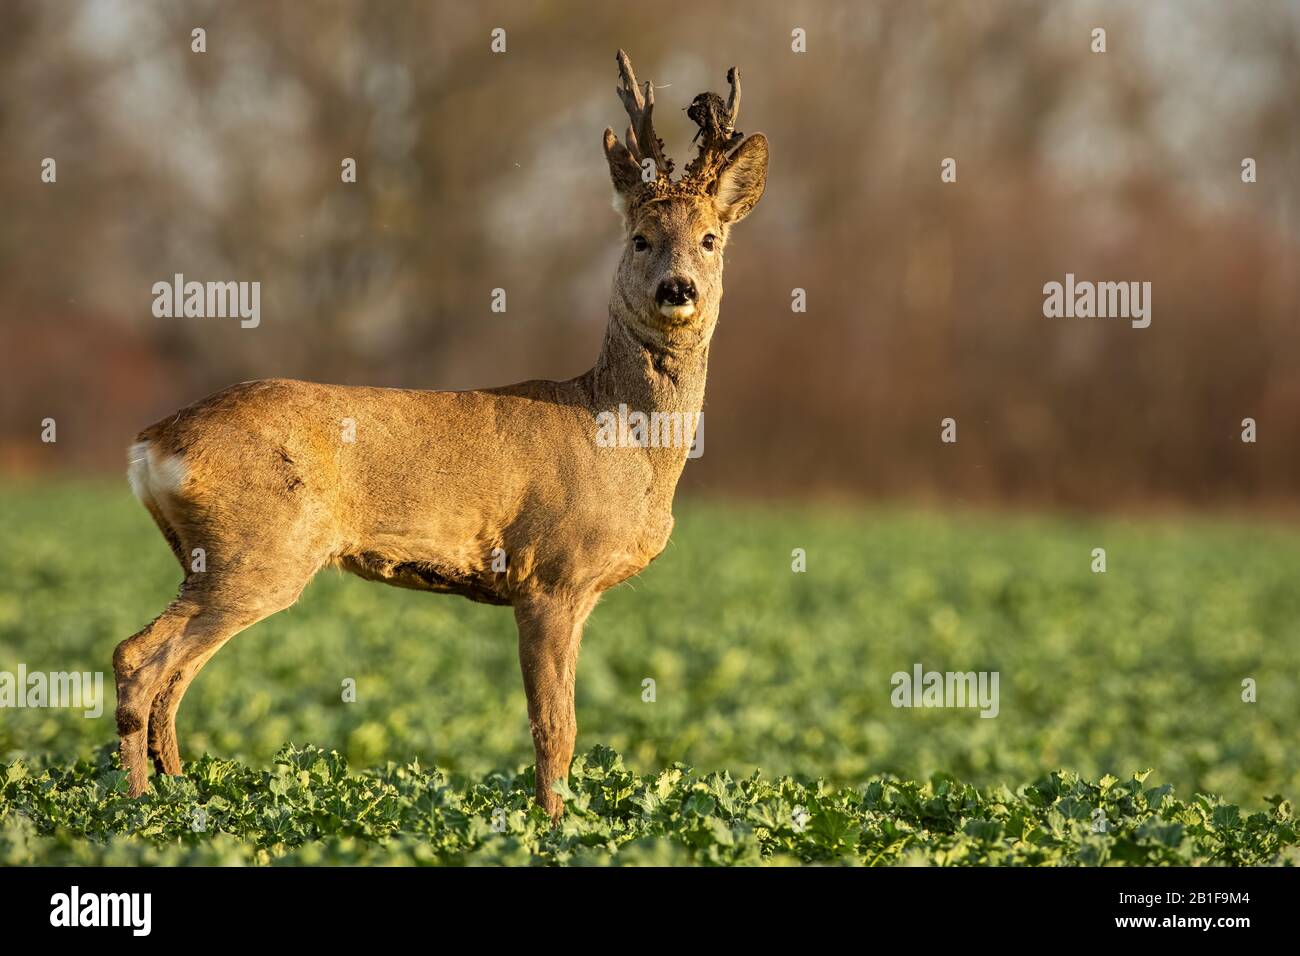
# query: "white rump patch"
(152, 475)
(677, 312)
(137, 468)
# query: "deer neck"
(653, 374)
(659, 371)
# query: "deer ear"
(742, 180)
(623, 170)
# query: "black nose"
(675, 291)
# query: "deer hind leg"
(550, 631)
(164, 747)
(155, 667)
(206, 634)
(133, 675)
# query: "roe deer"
(263, 476)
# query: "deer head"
(669, 281)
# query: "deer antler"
(718, 133)
(642, 140)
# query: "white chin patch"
(677, 312)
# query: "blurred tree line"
(480, 170)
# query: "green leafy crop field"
(774, 686)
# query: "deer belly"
(444, 577)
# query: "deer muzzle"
(676, 297)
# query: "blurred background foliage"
(480, 170)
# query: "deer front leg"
(550, 630)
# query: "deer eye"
(709, 241)
(639, 243)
